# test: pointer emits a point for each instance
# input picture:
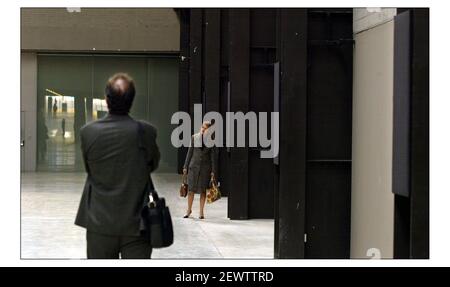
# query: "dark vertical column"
(261, 99)
(211, 59)
(239, 24)
(224, 155)
(329, 133)
(402, 222)
(420, 135)
(211, 65)
(410, 176)
(401, 113)
(276, 178)
(195, 61)
(183, 76)
(292, 158)
(401, 135)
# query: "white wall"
(366, 18)
(28, 103)
(100, 29)
(372, 214)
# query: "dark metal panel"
(330, 103)
(420, 135)
(195, 61)
(224, 37)
(330, 23)
(262, 57)
(261, 182)
(329, 135)
(411, 172)
(224, 155)
(276, 212)
(291, 206)
(261, 170)
(402, 94)
(276, 185)
(211, 60)
(239, 23)
(402, 236)
(276, 96)
(328, 210)
(183, 76)
(263, 28)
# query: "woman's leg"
(190, 201)
(202, 203)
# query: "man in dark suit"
(118, 172)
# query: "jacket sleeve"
(154, 151)
(189, 154)
(84, 150)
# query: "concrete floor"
(50, 201)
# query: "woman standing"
(200, 166)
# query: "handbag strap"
(213, 180)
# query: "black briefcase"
(158, 222)
(155, 215)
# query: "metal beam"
(292, 159)
(239, 77)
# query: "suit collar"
(117, 116)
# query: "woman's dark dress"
(200, 162)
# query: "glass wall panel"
(71, 93)
(163, 103)
(64, 82)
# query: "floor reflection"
(50, 201)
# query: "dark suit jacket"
(118, 172)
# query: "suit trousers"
(101, 246)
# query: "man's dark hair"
(118, 101)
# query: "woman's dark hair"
(120, 101)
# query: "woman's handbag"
(213, 193)
(157, 220)
(184, 186)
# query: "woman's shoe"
(201, 217)
(187, 215)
